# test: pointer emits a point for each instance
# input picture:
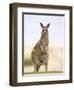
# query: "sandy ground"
(55, 62)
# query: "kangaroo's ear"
(41, 25)
(47, 26)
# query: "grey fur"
(40, 53)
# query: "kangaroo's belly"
(40, 57)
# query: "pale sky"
(32, 29)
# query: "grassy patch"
(28, 62)
(51, 72)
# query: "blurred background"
(32, 33)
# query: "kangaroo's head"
(44, 29)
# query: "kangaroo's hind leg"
(37, 68)
(46, 67)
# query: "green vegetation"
(28, 61)
(44, 72)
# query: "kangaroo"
(40, 53)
